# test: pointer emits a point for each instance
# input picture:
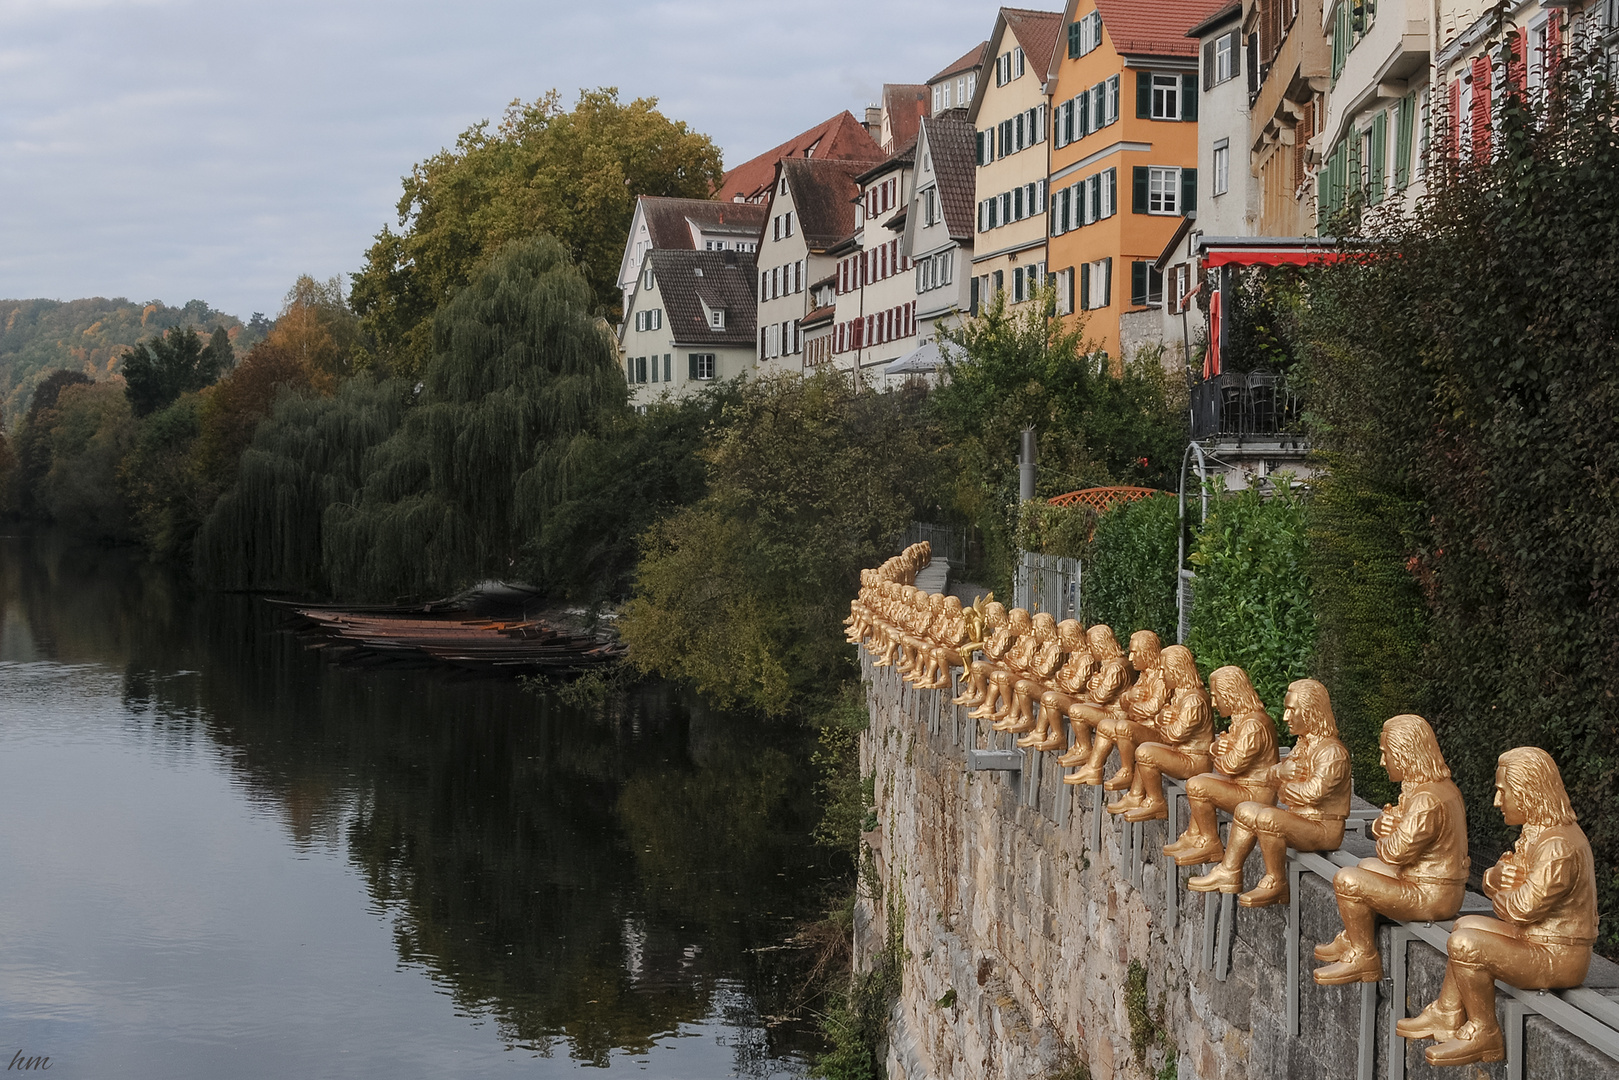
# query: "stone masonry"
(1019, 935)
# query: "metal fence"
(949, 541)
(1244, 403)
(1047, 583)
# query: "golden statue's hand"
(1509, 875)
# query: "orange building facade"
(1123, 173)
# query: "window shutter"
(1208, 64)
(1073, 41)
(1107, 281)
(1380, 149)
(691, 371)
(1111, 196)
(1040, 124)
(1085, 287)
(1144, 95)
(1481, 108)
(1138, 204)
(972, 299)
(1188, 191)
(1236, 52)
(1138, 284)
(1189, 97)
(1405, 127)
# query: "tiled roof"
(823, 194)
(666, 219)
(905, 104)
(954, 154)
(1037, 32)
(1154, 27)
(840, 138)
(903, 155)
(721, 279)
(819, 315)
(974, 57)
(1217, 18)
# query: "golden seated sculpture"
(1242, 757)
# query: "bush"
(1063, 531)
(1252, 595)
(1131, 580)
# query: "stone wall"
(1022, 915)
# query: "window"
(640, 369)
(651, 319)
(787, 224)
(646, 275)
(1159, 190)
(716, 319)
(701, 366)
(1096, 284)
(930, 206)
(1222, 166)
(1017, 63)
(1112, 100)
(1065, 291)
(1084, 35)
(1003, 69)
(1225, 56)
(1166, 97)
(1146, 284)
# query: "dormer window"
(716, 319)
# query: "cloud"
(216, 150)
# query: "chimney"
(874, 122)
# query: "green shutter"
(1405, 126)
(691, 371)
(1189, 97)
(1380, 150)
(1138, 284)
(1208, 64)
(1188, 191)
(1085, 287)
(1073, 41)
(1144, 95)
(1138, 202)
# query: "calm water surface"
(220, 856)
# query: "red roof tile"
(974, 57)
(954, 152)
(842, 138)
(1154, 27)
(667, 219)
(824, 194)
(906, 105)
(1036, 33)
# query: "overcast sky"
(179, 149)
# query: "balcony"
(1244, 406)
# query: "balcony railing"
(1241, 404)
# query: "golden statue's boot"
(1087, 775)
(1222, 879)
(1118, 781)
(1124, 804)
(1211, 851)
(1075, 755)
(1148, 810)
(1054, 741)
(1033, 738)
(1434, 1022)
(1336, 949)
(1353, 968)
(1473, 1043)
(1272, 889)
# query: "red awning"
(1246, 256)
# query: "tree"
(523, 381)
(744, 593)
(160, 369)
(1024, 367)
(316, 328)
(90, 433)
(574, 175)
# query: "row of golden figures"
(1074, 691)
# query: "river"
(221, 855)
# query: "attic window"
(697, 271)
(716, 319)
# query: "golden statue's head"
(995, 614)
(1233, 691)
(1529, 789)
(1018, 621)
(1145, 649)
(1103, 644)
(1070, 635)
(1307, 709)
(1411, 751)
(1045, 626)
(1180, 670)
(952, 605)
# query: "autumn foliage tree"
(160, 369)
(571, 174)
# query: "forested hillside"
(90, 336)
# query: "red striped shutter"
(1518, 63)
(1554, 42)
(1481, 108)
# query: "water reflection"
(587, 884)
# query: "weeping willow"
(265, 532)
(522, 380)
